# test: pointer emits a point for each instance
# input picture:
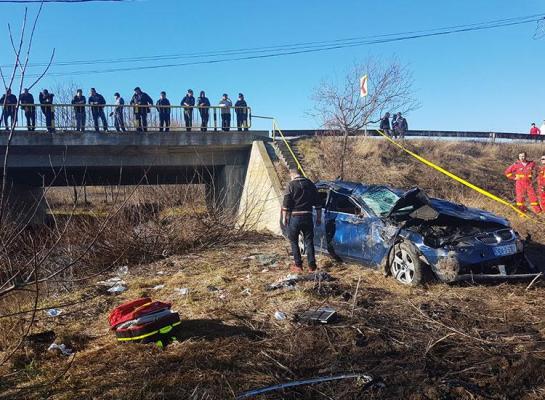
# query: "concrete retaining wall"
(261, 199)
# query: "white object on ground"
(280, 316)
(118, 288)
(157, 287)
(183, 291)
(63, 349)
(54, 312)
(124, 270)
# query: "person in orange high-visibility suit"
(521, 172)
(541, 182)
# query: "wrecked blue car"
(413, 237)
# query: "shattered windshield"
(380, 200)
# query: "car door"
(345, 227)
(320, 237)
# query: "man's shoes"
(296, 269)
(312, 268)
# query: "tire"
(406, 266)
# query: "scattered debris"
(280, 316)
(54, 312)
(211, 288)
(158, 287)
(39, 341)
(364, 379)
(182, 291)
(124, 270)
(291, 280)
(62, 348)
(246, 292)
(323, 315)
(160, 272)
(118, 288)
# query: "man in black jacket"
(46, 101)
(26, 100)
(188, 102)
(79, 102)
(300, 198)
(97, 110)
(241, 110)
(9, 102)
(204, 110)
(142, 106)
(385, 123)
(401, 126)
(163, 107)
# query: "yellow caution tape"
(453, 176)
(299, 166)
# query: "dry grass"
(428, 343)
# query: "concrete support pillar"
(25, 205)
(224, 187)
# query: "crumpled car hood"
(418, 199)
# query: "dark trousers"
(7, 115)
(49, 120)
(142, 121)
(225, 122)
(30, 116)
(188, 117)
(242, 121)
(164, 121)
(204, 120)
(119, 124)
(80, 120)
(100, 114)
(302, 224)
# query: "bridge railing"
(70, 117)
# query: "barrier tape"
(455, 177)
(277, 128)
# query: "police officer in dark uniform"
(300, 198)
(46, 101)
(204, 110)
(9, 102)
(97, 109)
(27, 103)
(79, 102)
(241, 110)
(385, 123)
(142, 106)
(163, 107)
(188, 102)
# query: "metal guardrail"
(423, 133)
(70, 117)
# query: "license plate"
(505, 250)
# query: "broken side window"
(343, 204)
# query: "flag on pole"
(363, 86)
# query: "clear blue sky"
(488, 80)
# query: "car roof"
(348, 188)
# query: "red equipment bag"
(157, 329)
(134, 309)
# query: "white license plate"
(505, 250)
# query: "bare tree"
(339, 107)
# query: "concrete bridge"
(220, 160)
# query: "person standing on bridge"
(98, 102)
(225, 104)
(385, 124)
(204, 110)
(142, 106)
(27, 103)
(188, 102)
(46, 101)
(9, 104)
(241, 110)
(521, 172)
(541, 182)
(117, 113)
(401, 126)
(163, 107)
(79, 102)
(300, 197)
